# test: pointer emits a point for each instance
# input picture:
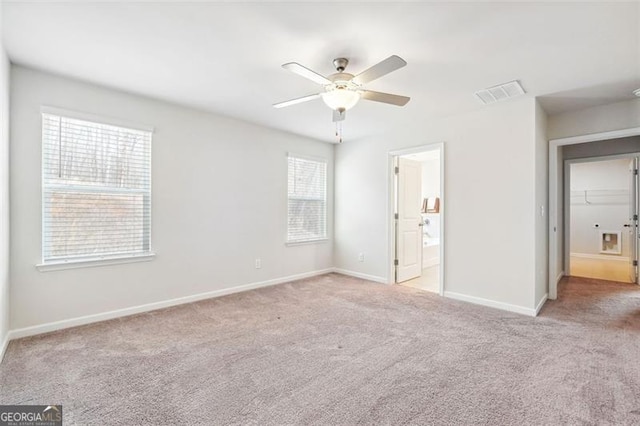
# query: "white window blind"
(96, 181)
(307, 194)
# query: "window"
(96, 190)
(307, 195)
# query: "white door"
(409, 223)
(633, 221)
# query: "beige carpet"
(338, 350)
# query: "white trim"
(600, 257)
(4, 345)
(118, 313)
(303, 242)
(491, 303)
(92, 263)
(355, 274)
(596, 137)
(555, 241)
(559, 277)
(95, 118)
(541, 303)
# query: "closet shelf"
(599, 197)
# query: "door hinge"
(396, 216)
(397, 170)
(395, 262)
(635, 263)
(635, 217)
(635, 171)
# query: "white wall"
(431, 178)
(431, 188)
(489, 210)
(610, 212)
(604, 118)
(4, 193)
(218, 202)
(542, 204)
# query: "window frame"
(104, 259)
(325, 237)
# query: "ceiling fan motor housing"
(340, 64)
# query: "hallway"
(595, 304)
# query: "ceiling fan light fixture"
(341, 99)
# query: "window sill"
(305, 242)
(91, 263)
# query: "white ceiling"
(225, 57)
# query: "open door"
(633, 221)
(409, 220)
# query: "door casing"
(391, 247)
(556, 209)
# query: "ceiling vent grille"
(500, 92)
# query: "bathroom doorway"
(417, 218)
(602, 208)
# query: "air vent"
(500, 92)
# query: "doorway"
(417, 218)
(601, 234)
(584, 146)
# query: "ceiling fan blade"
(390, 64)
(339, 116)
(296, 101)
(306, 73)
(386, 98)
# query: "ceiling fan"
(343, 90)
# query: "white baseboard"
(88, 319)
(614, 257)
(360, 275)
(541, 303)
(3, 346)
(559, 277)
(491, 303)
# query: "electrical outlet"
(258, 263)
(361, 257)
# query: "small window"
(307, 195)
(96, 190)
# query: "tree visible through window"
(96, 190)
(307, 194)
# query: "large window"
(307, 194)
(96, 190)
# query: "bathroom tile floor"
(429, 280)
